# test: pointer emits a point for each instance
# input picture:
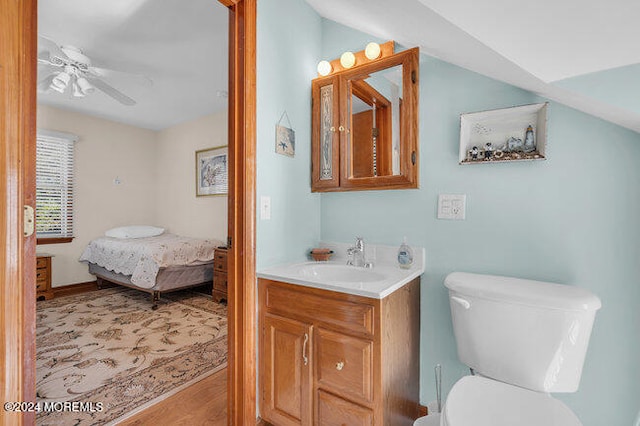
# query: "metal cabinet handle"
(333, 129)
(339, 365)
(304, 349)
(341, 128)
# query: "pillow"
(137, 231)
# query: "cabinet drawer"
(220, 282)
(220, 263)
(41, 285)
(338, 313)
(334, 411)
(344, 365)
(41, 262)
(41, 274)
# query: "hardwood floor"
(204, 403)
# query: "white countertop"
(378, 282)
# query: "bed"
(156, 265)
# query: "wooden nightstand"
(43, 276)
(220, 275)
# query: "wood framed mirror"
(365, 126)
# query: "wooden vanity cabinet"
(330, 358)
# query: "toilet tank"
(528, 333)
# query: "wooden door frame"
(18, 75)
(242, 212)
(18, 50)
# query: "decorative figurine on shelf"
(529, 141)
(474, 153)
(488, 151)
(514, 144)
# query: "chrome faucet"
(357, 256)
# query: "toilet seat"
(479, 401)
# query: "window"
(54, 186)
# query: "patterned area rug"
(109, 347)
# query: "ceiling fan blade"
(47, 62)
(140, 79)
(46, 44)
(112, 91)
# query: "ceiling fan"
(66, 68)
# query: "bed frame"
(168, 279)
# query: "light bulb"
(372, 51)
(60, 81)
(77, 92)
(324, 68)
(347, 60)
(85, 86)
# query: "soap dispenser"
(405, 255)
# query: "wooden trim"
(68, 290)
(229, 3)
(241, 223)
(17, 188)
(56, 240)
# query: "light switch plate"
(452, 206)
(265, 208)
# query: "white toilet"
(523, 339)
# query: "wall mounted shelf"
(501, 135)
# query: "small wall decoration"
(212, 171)
(285, 137)
(509, 134)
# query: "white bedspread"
(142, 258)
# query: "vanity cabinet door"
(328, 127)
(286, 367)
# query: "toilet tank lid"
(521, 291)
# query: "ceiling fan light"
(84, 85)
(60, 81)
(77, 91)
(57, 88)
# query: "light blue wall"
(618, 86)
(289, 43)
(571, 219)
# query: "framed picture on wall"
(212, 171)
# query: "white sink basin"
(383, 279)
(338, 273)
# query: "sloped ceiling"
(547, 47)
(180, 45)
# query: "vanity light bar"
(372, 52)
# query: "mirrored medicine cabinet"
(365, 126)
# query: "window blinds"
(54, 184)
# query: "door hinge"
(229, 243)
(29, 221)
(413, 76)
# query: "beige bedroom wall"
(178, 208)
(105, 150)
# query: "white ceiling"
(180, 45)
(527, 44)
